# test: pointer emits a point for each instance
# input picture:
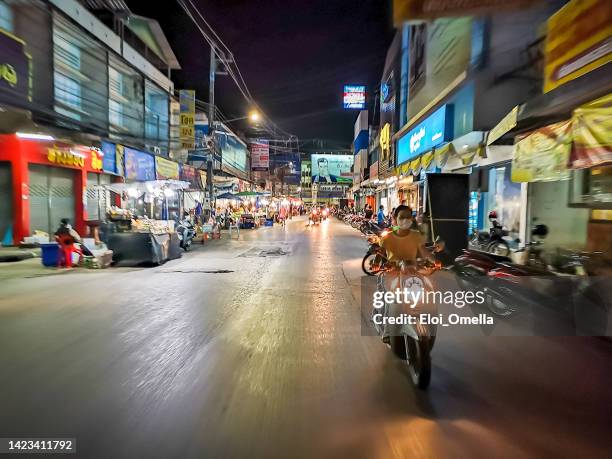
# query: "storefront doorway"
(51, 197)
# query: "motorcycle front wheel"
(418, 355)
(367, 264)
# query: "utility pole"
(211, 129)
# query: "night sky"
(295, 56)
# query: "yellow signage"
(506, 124)
(96, 160)
(543, 154)
(8, 74)
(577, 41)
(166, 169)
(187, 117)
(65, 158)
(385, 141)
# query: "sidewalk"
(13, 254)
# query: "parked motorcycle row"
(561, 292)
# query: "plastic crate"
(50, 254)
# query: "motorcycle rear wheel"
(419, 360)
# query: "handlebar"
(423, 267)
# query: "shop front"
(48, 182)
(425, 148)
(568, 168)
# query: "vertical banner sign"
(260, 155)
(187, 126)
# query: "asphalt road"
(268, 360)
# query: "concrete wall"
(567, 226)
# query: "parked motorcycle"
(493, 241)
(186, 232)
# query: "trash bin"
(50, 254)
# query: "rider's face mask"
(404, 222)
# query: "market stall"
(134, 237)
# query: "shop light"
(132, 192)
(32, 136)
(168, 192)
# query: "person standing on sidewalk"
(380, 216)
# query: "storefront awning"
(554, 106)
(592, 134)
(583, 141)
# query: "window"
(115, 113)
(115, 81)
(67, 61)
(6, 17)
(67, 53)
(68, 95)
(156, 105)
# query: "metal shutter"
(93, 195)
(39, 199)
(61, 195)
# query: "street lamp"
(253, 117)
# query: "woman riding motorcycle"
(406, 243)
(403, 245)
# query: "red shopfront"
(48, 182)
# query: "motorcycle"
(186, 232)
(413, 341)
(314, 217)
(494, 241)
(376, 256)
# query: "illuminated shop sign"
(65, 158)
(429, 133)
(354, 97)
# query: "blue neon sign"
(429, 133)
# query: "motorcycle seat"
(487, 255)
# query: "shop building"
(48, 182)
(452, 99)
(561, 153)
(79, 81)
